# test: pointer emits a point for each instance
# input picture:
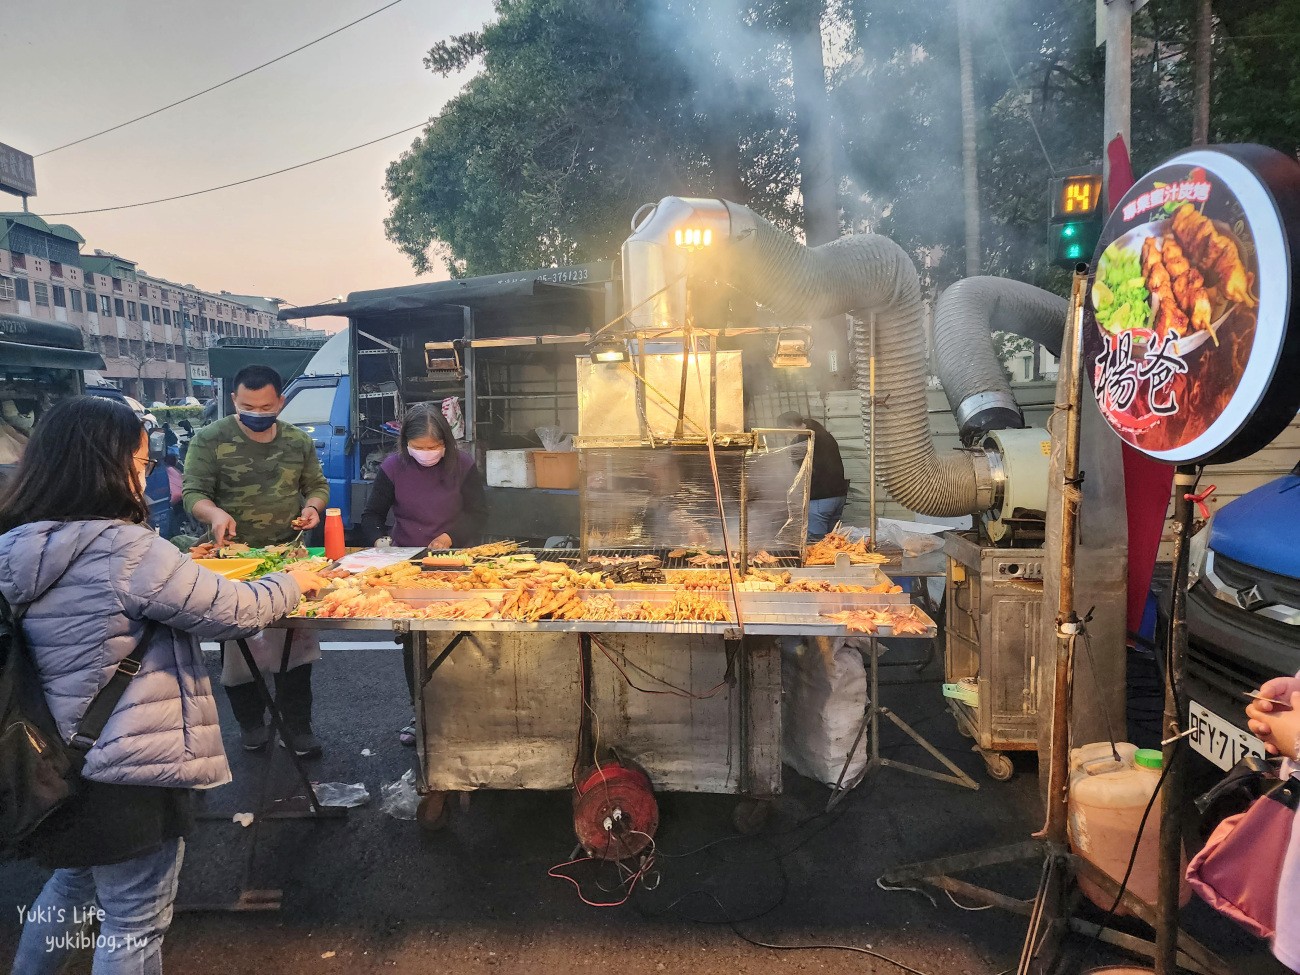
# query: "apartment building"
(149, 330)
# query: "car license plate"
(1222, 742)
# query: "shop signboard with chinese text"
(1189, 340)
(17, 172)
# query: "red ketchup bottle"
(334, 547)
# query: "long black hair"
(78, 465)
(426, 420)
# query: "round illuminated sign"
(1188, 338)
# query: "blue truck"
(470, 339)
(1243, 613)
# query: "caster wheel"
(750, 816)
(1000, 767)
(464, 801)
(433, 813)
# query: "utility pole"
(1115, 30)
(969, 154)
(185, 343)
(1204, 57)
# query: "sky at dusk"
(73, 67)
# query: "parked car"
(1243, 613)
(183, 401)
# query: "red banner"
(1147, 483)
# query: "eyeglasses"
(148, 467)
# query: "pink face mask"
(426, 458)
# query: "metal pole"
(1119, 76)
(969, 155)
(871, 392)
(471, 381)
(1171, 803)
(185, 347)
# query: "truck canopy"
(39, 344)
(518, 303)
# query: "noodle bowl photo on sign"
(1187, 310)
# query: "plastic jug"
(1107, 800)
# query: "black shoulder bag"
(39, 771)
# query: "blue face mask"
(258, 422)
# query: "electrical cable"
(240, 182)
(674, 691)
(1029, 115)
(820, 947)
(187, 98)
(1164, 773)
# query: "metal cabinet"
(994, 610)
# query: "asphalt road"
(373, 893)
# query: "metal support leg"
(266, 899)
(871, 720)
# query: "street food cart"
(656, 642)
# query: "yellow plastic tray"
(231, 568)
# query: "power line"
(241, 182)
(245, 74)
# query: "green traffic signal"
(1074, 242)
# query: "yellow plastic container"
(231, 568)
(1107, 800)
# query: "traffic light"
(1077, 218)
(1074, 241)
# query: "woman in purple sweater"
(435, 494)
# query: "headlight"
(1197, 550)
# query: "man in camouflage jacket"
(255, 479)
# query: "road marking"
(215, 648)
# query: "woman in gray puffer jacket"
(76, 557)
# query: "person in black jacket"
(829, 489)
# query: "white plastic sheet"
(825, 698)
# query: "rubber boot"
(250, 712)
(293, 694)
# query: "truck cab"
(319, 403)
(1243, 609)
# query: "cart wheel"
(464, 801)
(433, 813)
(999, 766)
(750, 816)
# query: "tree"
(139, 355)
(584, 110)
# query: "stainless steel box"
(995, 606)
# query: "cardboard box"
(556, 469)
(511, 468)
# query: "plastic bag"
(914, 538)
(554, 439)
(451, 412)
(399, 799)
(823, 705)
(341, 794)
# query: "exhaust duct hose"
(863, 275)
(967, 314)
